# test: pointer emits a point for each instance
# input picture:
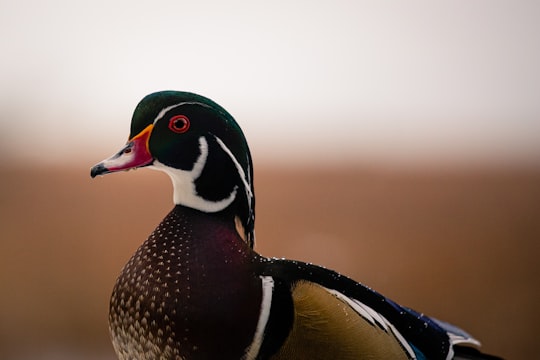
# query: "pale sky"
(335, 80)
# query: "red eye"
(179, 124)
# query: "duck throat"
(188, 190)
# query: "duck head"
(200, 146)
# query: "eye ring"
(179, 124)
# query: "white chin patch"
(183, 181)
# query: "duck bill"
(134, 154)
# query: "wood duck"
(196, 289)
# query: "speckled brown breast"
(189, 292)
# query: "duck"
(197, 289)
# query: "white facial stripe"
(183, 181)
(374, 318)
(266, 304)
(247, 186)
(201, 160)
(168, 108)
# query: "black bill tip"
(99, 169)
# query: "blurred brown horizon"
(457, 244)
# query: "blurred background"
(398, 143)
